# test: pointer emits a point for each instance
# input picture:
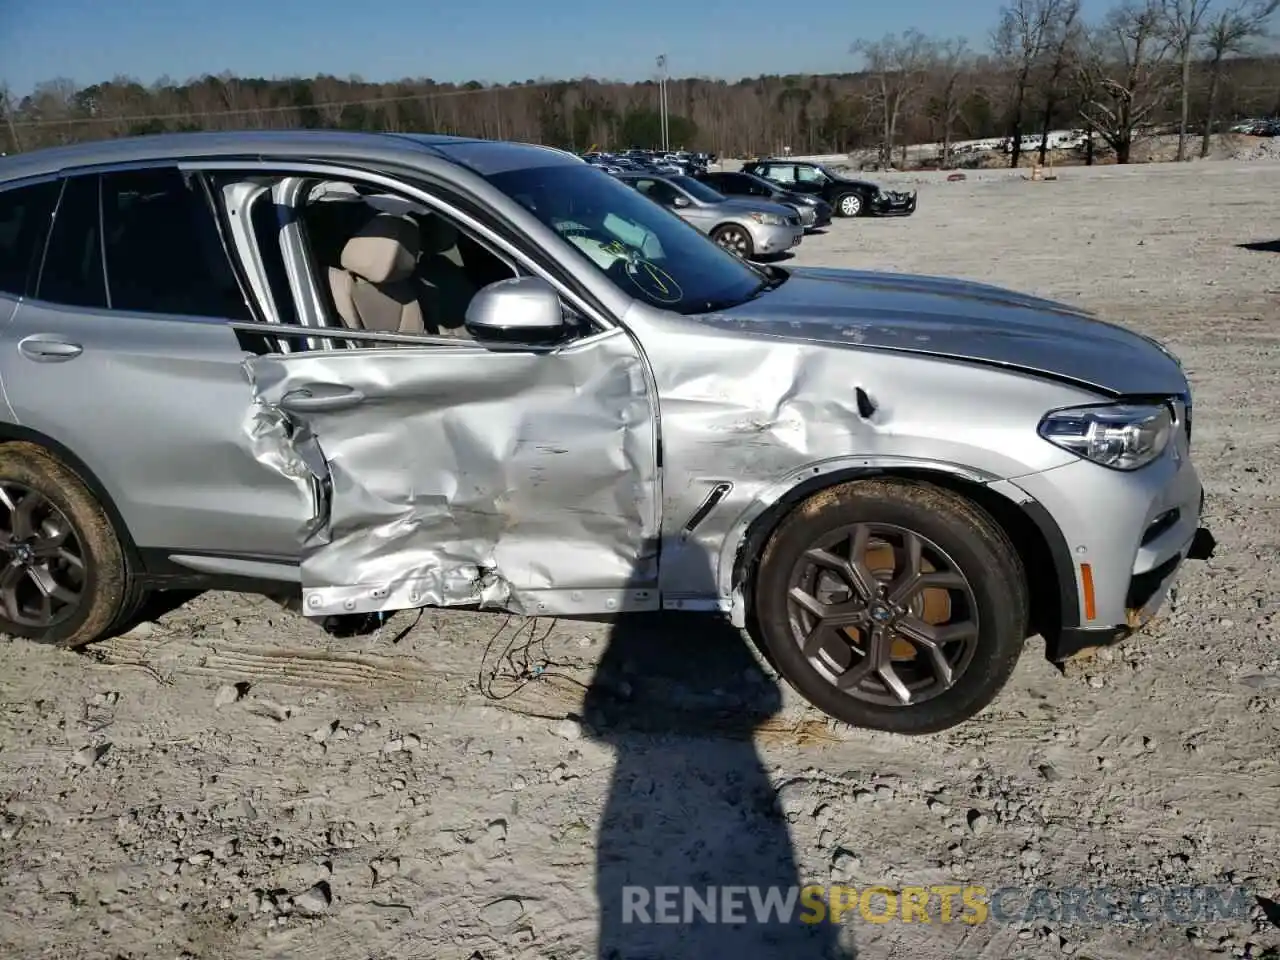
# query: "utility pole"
(662, 100)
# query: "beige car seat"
(374, 288)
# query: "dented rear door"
(460, 475)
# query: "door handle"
(43, 348)
(321, 398)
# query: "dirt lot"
(230, 782)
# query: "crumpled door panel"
(521, 481)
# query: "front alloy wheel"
(892, 605)
(735, 239)
(882, 613)
(850, 205)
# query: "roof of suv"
(483, 156)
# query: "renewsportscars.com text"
(942, 903)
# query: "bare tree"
(1231, 32)
(1026, 28)
(898, 65)
(952, 69)
(1184, 21)
(1062, 47)
(6, 105)
(1125, 73)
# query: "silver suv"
(388, 371)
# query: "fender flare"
(755, 524)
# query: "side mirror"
(680, 201)
(521, 310)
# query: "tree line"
(1145, 64)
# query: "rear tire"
(735, 239)
(63, 573)
(854, 638)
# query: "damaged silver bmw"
(388, 371)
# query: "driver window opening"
(382, 263)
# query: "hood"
(802, 199)
(960, 320)
(756, 206)
(867, 185)
(855, 182)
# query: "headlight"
(769, 219)
(1121, 436)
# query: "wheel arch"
(14, 433)
(1040, 545)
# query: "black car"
(849, 197)
(749, 185)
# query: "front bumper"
(769, 239)
(1147, 593)
(822, 214)
(1124, 537)
(894, 203)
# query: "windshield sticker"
(654, 282)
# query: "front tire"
(735, 239)
(63, 575)
(850, 205)
(892, 605)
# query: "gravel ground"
(229, 781)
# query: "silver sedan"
(750, 228)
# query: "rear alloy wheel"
(62, 570)
(850, 205)
(892, 605)
(735, 239)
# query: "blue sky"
(487, 40)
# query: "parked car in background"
(377, 372)
(848, 197)
(814, 211)
(748, 228)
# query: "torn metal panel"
(755, 416)
(289, 449)
(459, 476)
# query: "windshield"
(646, 251)
(698, 190)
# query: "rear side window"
(72, 271)
(25, 215)
(163, 251)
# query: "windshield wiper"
(774, 277)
